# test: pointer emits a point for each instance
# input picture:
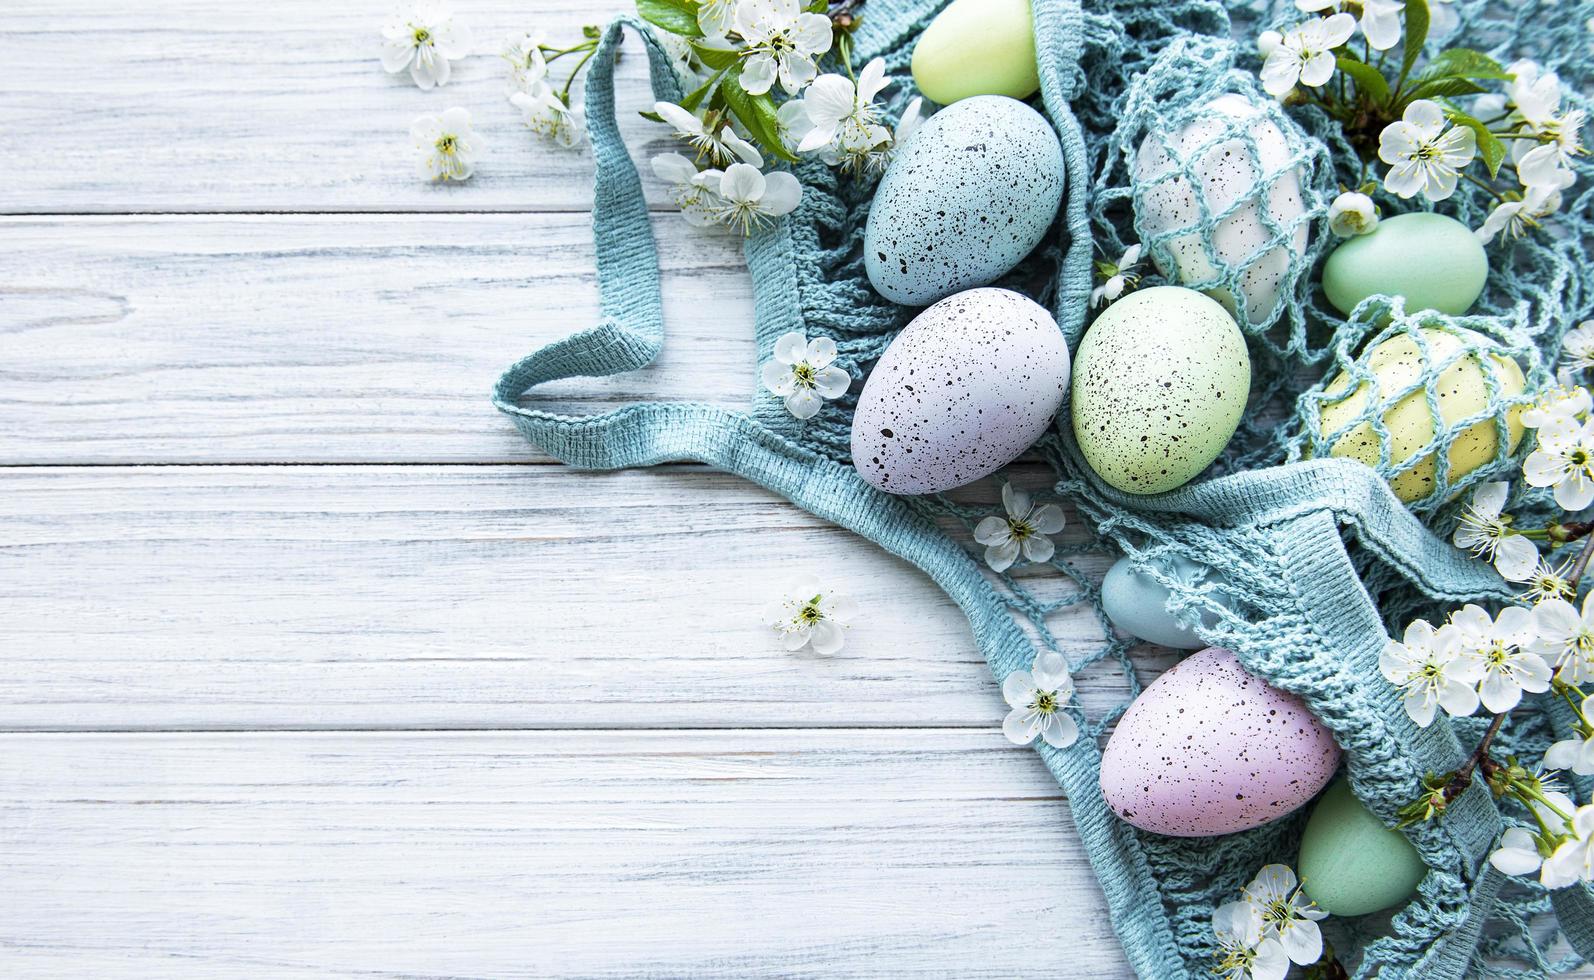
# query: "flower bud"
(1352, 213)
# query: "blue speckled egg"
(965, 388)
(965, 200)
(1160, 382)
(1138, 605)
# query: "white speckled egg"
(965, 200)
(1160, 383)
(1210, 749)
(1228, 175)
(965, 388)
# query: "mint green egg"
(1350, 863)
(977, 47)
(1435, 262)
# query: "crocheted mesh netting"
(1304, 542)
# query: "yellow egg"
(977, 47)
(1462, 391)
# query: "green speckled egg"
(1435, 262)
(1160, 382)
(1351, 864)
(1463, 393)
(977, 47)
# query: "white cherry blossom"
(715, 17)
(1425, 665)
(1564, 459)
(1575, 754)
(1566, 638)
(1497, 650)
(1425, 154)
(527, 64)
(1244, 953)
(448, 147)
(719, 145)
(1565, 404)
(422, 39)
(807, 614)
(1577, 347)
(1380, 19)
(698, 203)
(1546, 581)
(546, 114)
(1486, 533)
(846, 121)
(802, 373)
(1037, 698)
(1287, 914)
(1024, 529)
(1573, 861)
(783, 42)
(750, 200)
(1305, 55)
(1119, 276)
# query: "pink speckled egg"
(1209, 749)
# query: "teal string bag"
(1321, 561)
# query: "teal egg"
(971, 194)
(1136, 604)
(1350, 863)
(1435, 262)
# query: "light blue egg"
(1136, 604)
(969, 196)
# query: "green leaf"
(1465, 63)
(1416, 34)
(675, 16)
(691, 102)
(1490, 147)
(1369, 80)
(818, 7)
(714, 57)
(1444, 88)
(757, 113)
(651, 116)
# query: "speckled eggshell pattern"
(965, 388)
(1209, 749)
(965, 200)
(1160, 382)
(1227, 174)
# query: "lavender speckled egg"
(1209, 749)
(1160, 382)
(965, 388)
(965, 200)
(1226, 176)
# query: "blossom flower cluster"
(1429, 138)
(733, 56)
(809, 616)
(1271, 926)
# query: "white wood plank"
(485, 596)
(327, 338)
(190, 105)
(591, 854)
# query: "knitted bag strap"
(631, 332)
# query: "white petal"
(1458, 699)
(1319, 68)
(1562, 755)
(1498, 693)
(1280, 72)
(1039, 549)
(841, 609)
(1517, 854)
(832, 382)
(828, 638)
(1020, 726)
(781, 194)
(804, 403)
(829, 99)
(1302, 942)
(1420, 708)
(1000, 557)
(1060, 731)
(1018, 689)
(778, 378)
(1515, 558)
(396, 56)
(791, 347)
(1271, 962)
(1051, 674)
(820, 352)
(672, 168)
(1048, 518)
(1016, 500)
(742, 183)
(1574, 493)
(992, 530)
(758, 74)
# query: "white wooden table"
(310, 666)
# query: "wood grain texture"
(418, 596)
(332, 338)
(189, 105)
(580, 854)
